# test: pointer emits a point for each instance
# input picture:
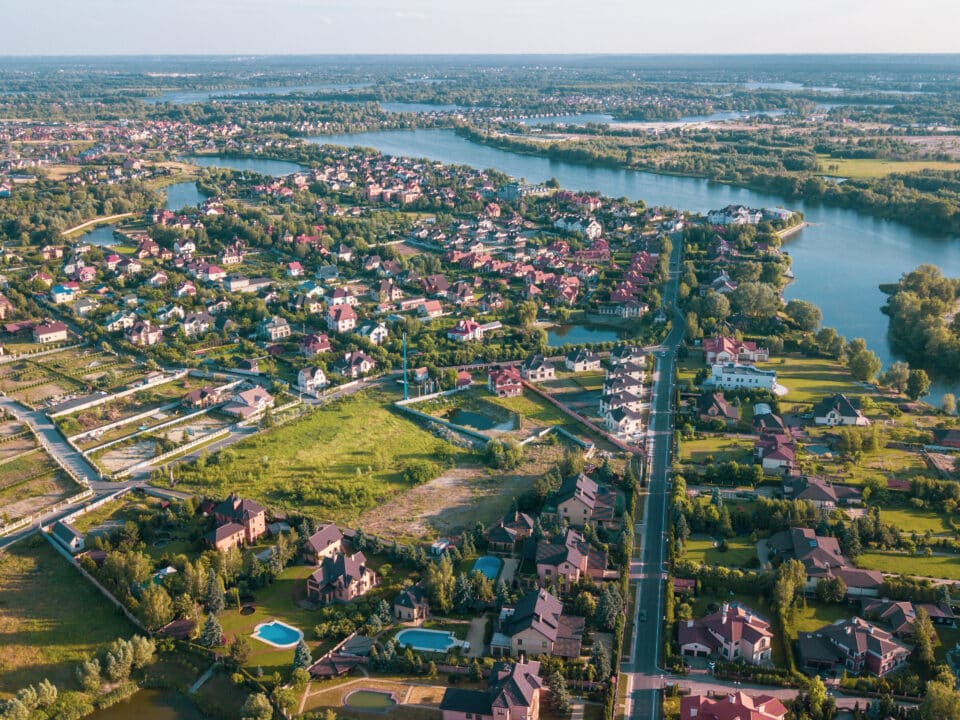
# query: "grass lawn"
(876, 167)
(419, 697)
(810, 379)
(947, 567)
(50, 618)
(277, 601)
(336, 462)
(814, 616)
(535, 410)
(740, 553)
(722, 448)
(121, 510)
(913, 519)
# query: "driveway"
(509, 572)
(478, 627)
(763, 553)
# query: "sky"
(139, 27)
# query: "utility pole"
(406, 380)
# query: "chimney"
(724, 609)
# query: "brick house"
(340, 578)
(513, 694)
(327, 541)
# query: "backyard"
(936, 566)
(739, 553)
(50, 618)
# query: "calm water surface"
(257, 165)
(183, 195)
(839, 260)
(151, 705)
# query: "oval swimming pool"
(428, 640)
(488, 565)
(278, 634)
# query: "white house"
(376, 333)
(311, 380)
(733, 376)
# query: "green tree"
(240, 649)
(863, 364)
(600, 660)
(212, 634)
(805, 314)
(215, 597)
(156, 607)
(439, 583)
(941, 702)
(559, 695)
(924, 633)
(896, 376)
(918, 384)
(301, 656)
(88, 675)
(949, 403)
(257, 707)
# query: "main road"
(641, 669)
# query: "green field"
(875, 167)
(739, 553)
(947, 567)
(915, 520)
(50, 618)
(336, 462)
(811, 379)
(535, 410)
(721, 448)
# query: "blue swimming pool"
(277, 634)
(488, 565)
(429, 640)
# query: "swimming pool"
(429, 640)
(488, 565)
(278, 634)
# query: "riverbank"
(791, 231)
(96, 222)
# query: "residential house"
(430, 309)
(310, 381)
(623, 421)
(355, 364)
(536, 369)
(340, 296)
(901, 616)
(536, 625)
(505, 381)
(340, 578)
(735, 215)
(376, 333)
(582, 360)
(777, 453)
(72, 539)
(143, 334)
(513, 694)
(722, 349)
(312, 345)
(304, 303)
(249, 403)
(62, 294)
(276, 328)
(341, 318)
(466, 331)
(580, 500)
(823, 560)
(823, 494)
(733, 376)
(119, 321)
(513, 527)
(294, 269)
(734, 633)
(326, 542)
(563, 562)
(196, 324)
(234, 516)
(714, 406)
(733, 706)
(623, 354)
(854, 646)
(50, 332)
(202, 398)
(838, 410)
(411, 605)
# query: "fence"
(124, 421)
(169, 454)
(31, 519)
(96, 583)
(153, 428)
(459, 429)
(101, 399)
(38, 353)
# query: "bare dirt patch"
(37, 494)
(122, 457)
(459, 497)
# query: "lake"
(558, 335)
(183, 195)
(263, 166)
(151, 705)
(839, 260)
(101, 236)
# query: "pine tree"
(502, 593)
(559, 695)
(215, 601)
(923, 632)
(600, 660)
(301, 656)
(212, 634)
(463, 595)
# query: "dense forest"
(924, 324)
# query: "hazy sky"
(42, 27)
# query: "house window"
(519, 642)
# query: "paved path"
(202, 679)
(478, 627)
(509, 572)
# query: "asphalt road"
(642, 670)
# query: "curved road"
(641, 671)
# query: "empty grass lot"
(915, 520)
(876, 168)
(722, 448)
(343, 458)
(811, 379)
(50, 618)
(947, 566)
(739, 553)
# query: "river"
(839, 260)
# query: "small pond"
(558, 335)
(370, 700)
(101, 237)
(263, 166)
(477, 421)
(181, 195)
(151, 705)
